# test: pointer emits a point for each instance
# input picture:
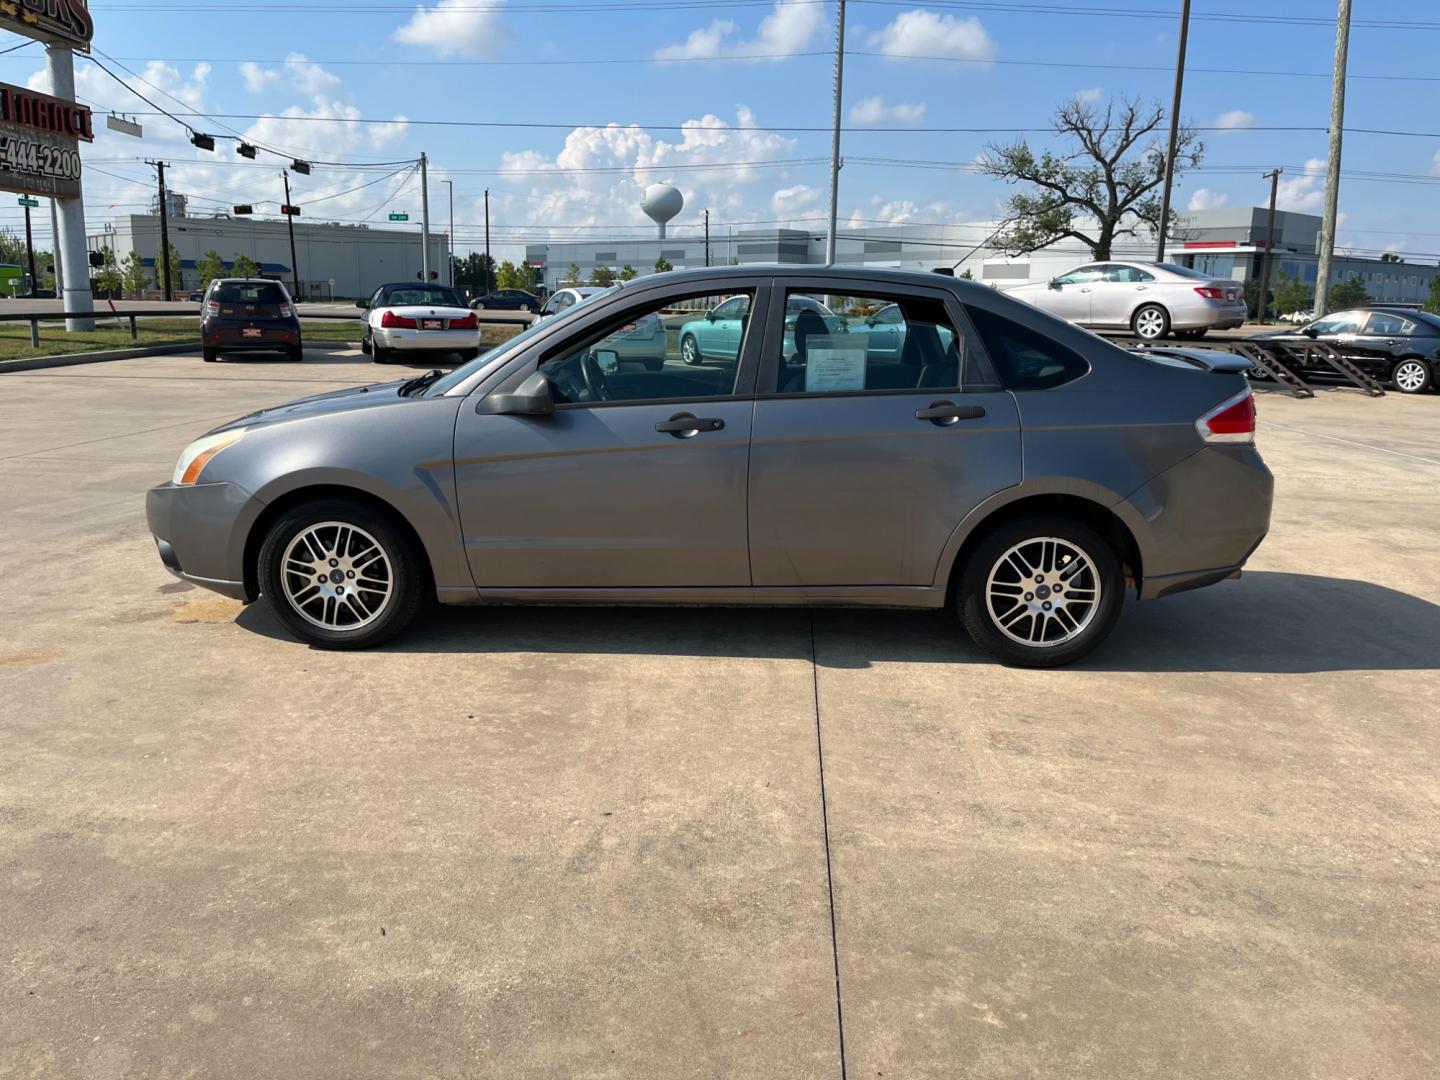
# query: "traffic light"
(243, 208)
(96, 258)
(301, 167)
(245, 150)
(290, 211)
(203, 142)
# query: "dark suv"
(250, 314)
(1394, 343)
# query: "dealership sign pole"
(40, 136)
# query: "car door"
(885, 332)
(723, 340)
(1069, 295)
(862, 466)
(642, 489)
(1120, 291)
(1383, 337)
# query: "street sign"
(25, 200)
(399, 217)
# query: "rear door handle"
(945, 413)
(684, 425)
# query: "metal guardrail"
(35, 318)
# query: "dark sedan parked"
(1002, 463)
(249, 315)
(1394, 343)
(506, 300)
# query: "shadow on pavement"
(1265, 623)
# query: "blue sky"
(990, 64)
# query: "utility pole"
(835, 138)
(488, 287)
(1174, 133)
(164, 260)
(1274, 177)
(290, 221)
(450, 186)
(1332, 168)
(55, 250)
(707, 236)
(424, 220)
(74, 289)
(30, 254)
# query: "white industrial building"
(332, 259)
(1227, 242)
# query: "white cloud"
(302, 74)
(873, 110)
(1089, 95)
(1234, 120)
(1435, 164)
(789, 28)
(258, 79)
(1302, 191)
(1205, 199)
(924, 33)
(795, 201)
(456, 26)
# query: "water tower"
(661, 202)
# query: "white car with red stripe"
(412, 317)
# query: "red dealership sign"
(41, 112)
(67, 22)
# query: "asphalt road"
(596, 843)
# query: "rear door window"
(1025, 359)
(1383, 324)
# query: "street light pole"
(1164, 225)
(164, 260)
(835, 137)
(1274, 177)
(450, 184)
(424, 219)
(1332, 168)
(488, 287)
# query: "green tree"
(134, 278)
(210, 267)
(12, 248)
(572, 275)
(510, 276)
(1103, 189)
(967, 275)
(176, 279)
(108, 280)
(244, 266)
(663, 265)
(1289, 295)
(602, 276)
(1347, 294)
(1432, 302)
(627, 273)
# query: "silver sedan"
(1149, 299)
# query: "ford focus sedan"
(999, 462)
(1150, 300)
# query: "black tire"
(466, 355)
(296, 353)
(1144, 317)
(1411, 375)
(1095, 621)
(690, 350)
(1191, 335)
(379, 353)
(365, 344)
(211, 355)
(407, 577)
(655, 365)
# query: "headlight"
(197, 455)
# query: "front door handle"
(685, 425)
(945, 413)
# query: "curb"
(33, 363)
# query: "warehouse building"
(334, 260)
(1228, 242)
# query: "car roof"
(722, 276)
(416, 285)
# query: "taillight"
(1232, 421)
(467, 322)
(286, 311)
(212, 307)
(1209, 293)
(398, 322)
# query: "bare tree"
(1104, 190)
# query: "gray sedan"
(999, 462)
(1149, 299)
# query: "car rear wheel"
(296, 353)
(477, 306)
(340, 575)
(365, 344)
(379, 353)
(211, 355)
(690, 350)
(1151, 322)
(1411, 376)
(1041, 592)
(525, 307)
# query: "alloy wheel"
(1043, 592)
(1410, 376)
(689, 350)
(337, 576)
(1150, 323)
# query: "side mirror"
(362, 303)
(1310, 331)
(710, 316)
(533, 397)
(1054, 283)
(608, 359)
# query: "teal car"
(716, 337)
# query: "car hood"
(373, 396)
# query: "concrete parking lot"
(682, 843)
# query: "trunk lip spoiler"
(1209, 359)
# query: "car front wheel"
(690, 350)
(1151, 322)
(1411, 376)
(1041, 592)
(339, 575)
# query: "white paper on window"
(833, 363)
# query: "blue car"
(716, 337)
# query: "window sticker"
(833, 363)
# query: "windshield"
(422, 295)
(248, 292)
(1185, 271)
(506, 349)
